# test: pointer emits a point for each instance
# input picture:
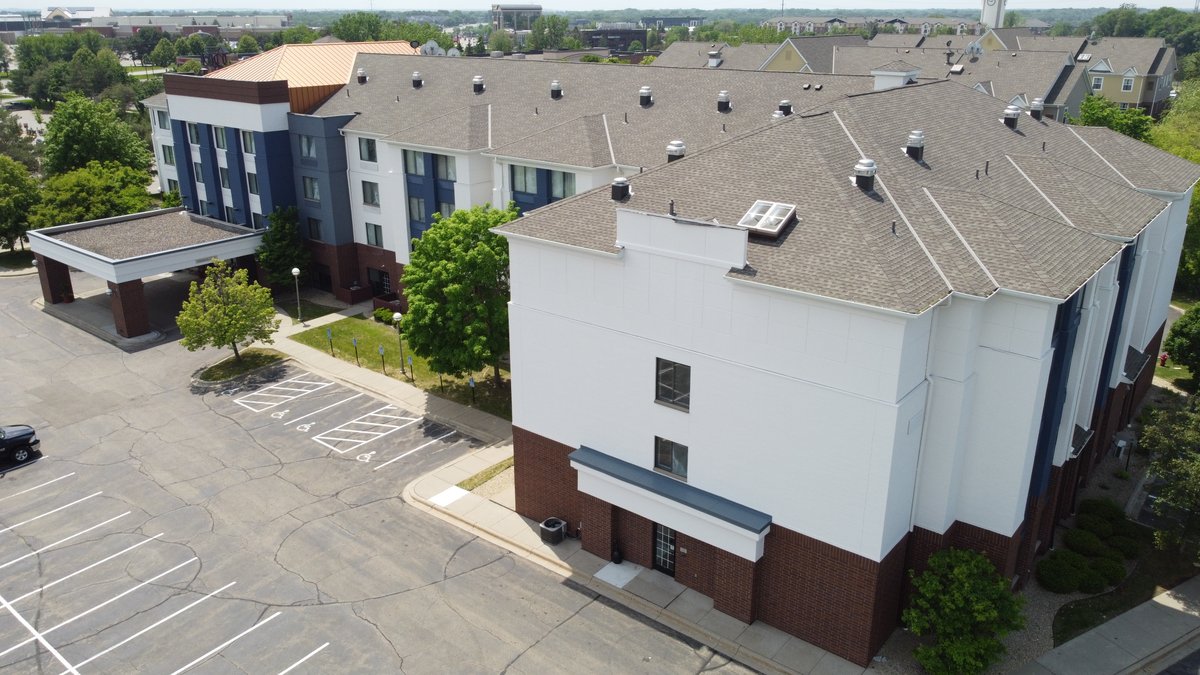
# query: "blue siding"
(328, 167)
(430, 191)
(530, 201)
(1066, 328)
(1124, 277)
(237, 177)
(183, 165)
(208, 165)
(273, 160)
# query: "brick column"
(56, 280)
(597, 532)
(129, 308)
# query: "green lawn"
(16, 260)
(1177, 374)
(372, 335)
(231, 367)
(308, 308)
(1184, 301)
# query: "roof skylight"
(767, 218)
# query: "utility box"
(552, 530)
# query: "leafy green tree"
(142, 43)
(1013, 19)
(171, 198)
(191, 67)
(675, 34)
(226, 309)
(16, 144)
(1172, 437)
(1183, 342)
(966, 606)
(548, 31)
(94, 191)
(163, 54)
(298, 35)
(636, 46)
(357, 27)
(1125, 21)
(282, 248)
(83, 130)
(1097, 111)
(500, 41)
(1179, 134)
(457, 288)
(1061, 29)
(18, 194)
(247, 45)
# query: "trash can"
(552, 530)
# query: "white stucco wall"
(265, 117)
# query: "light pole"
(399, 339)
(296, 276)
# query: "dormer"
(1102, 66)
(894, 74)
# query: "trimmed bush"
(1084, 542)
(1092, 582)
(1112, 571)
(1071, 558)
(1128, 528)
(1105, 508)
(1130, 548)
(1094, 524)
(383, 315)
(1057, 574)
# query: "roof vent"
(519, 56)
(1011, 113)
(497, 55)
(785, 107)
(819, 87)
(916, 145)
(777, 115)
(1037, 107)
(417, 81)
(645, 97)
(957, 69)
(477, 84)
(555, 90)
(675, 150)
(723, 101)
(864, 174)
(362, 76)
(620, 189)
(807, 86)
(714, 59)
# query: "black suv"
(19, 444)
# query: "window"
(1097, 83)
(252, 180)
(308, 147)
(416, 209)
(172, 185)
(248, 142)
(257, 220)
(374, 235)
(199, 174)
(380, 281)
(445, 167)
(193, 134)
(524, 179)
(169, 155)
(229, 214)
(203, 206)
(1124, 106)
(671, 457)
(164, 120)
(224, 177)
(674, 384)
(414, 163)
(366, 150)
(1127, 84)
(370, 193)
(312, 189)
(562, 184)
(219, 135)
(314, 229)
(445, 208)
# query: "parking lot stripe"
(424, 445)
(323, 409)
(147, 629)
(18, 494)
(112, 599)
(98, 562)
(26, 522)
(228, 642)
(38, 636)
(64, 539)
(311, 654)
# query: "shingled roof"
(1034, 210)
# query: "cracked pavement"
(319, 548)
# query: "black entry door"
(664, 549)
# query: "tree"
(1012, 19)
(247, 45)
(298, 35)
(636, 46)
(163, 54)
(226, 309)
(457, 288)
(1097, 111)
(1172, 438)
(189, 67)
(282, 248)
(964, 603)
(15, 143)
(1061, 29)
(83, 130)
(500, 41)
(94, 191)
(18, 193)
(1183, 342)
(1179, 134)
(357, 27)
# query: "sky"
(281, 6)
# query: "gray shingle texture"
(144, 235)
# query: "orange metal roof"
(308, 65)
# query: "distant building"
(617, 39)
(515, 17)
(664, 22)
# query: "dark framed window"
(193, 133)
(379, 280)
(219, 137)
(229, 215)
(562, 185)
(524, 179)
(674, 384)
(257, 220)
(308, 147)
(164, 120)
(374, 235)
(314, 229)
(312, 189)
(252, 182)
(247, 142)
(366, 150)
(168, 155)
(172, 185)
(446, 209)
(416, 210)
(444, 167)
(197, 169)
(370, 193)
(414, 163)
(224, 176)
(670, 457)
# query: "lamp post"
(296, 276)
(399, 339)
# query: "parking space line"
(228, 642)
(292, 421)
(355, 425)
(311, 654)
(39, 637)
(252, 400)
(26, 522)
(18, 494)
(152, 626)
(112, 599)
(64, 539)
(424, 445)
(98, 562)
